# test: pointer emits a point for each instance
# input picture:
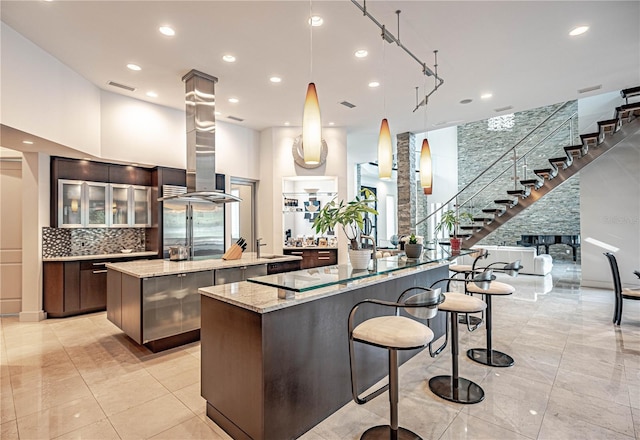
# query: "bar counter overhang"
(273, 368)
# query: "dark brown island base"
(274, 368)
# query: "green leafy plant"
(350, 216)
(413, 239)
(450, 220)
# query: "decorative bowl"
(126, 251)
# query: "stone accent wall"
(406, 151)
(70, 242)
(478, 147)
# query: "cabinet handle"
(100, 264)
(324, 258)
(296, 253)
(323, 252)
(99, 271)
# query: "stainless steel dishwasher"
(241, 273)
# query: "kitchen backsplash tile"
(67, 242)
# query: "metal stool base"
(474, 321)
(383, 432)
(467, 392)
(491, 358)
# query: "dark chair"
(620, 292)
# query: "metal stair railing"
(512, 151)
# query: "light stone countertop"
(102, 256)
(301, 248)
(158, 267)
(263, 299)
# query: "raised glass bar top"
(315, 278)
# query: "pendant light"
(311, 127)
(426, 170)
(385, 151)
(311, 121)
(385, 147)
(426, 166)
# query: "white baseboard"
(33, 316)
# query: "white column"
(35, 216)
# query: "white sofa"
(532, 263)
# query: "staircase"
(490, 211)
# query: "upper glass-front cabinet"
(96, 204)
(70, 203)
(120, 211)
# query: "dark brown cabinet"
(315, 257)
(75, 287)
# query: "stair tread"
(631, 91)
(517, 191)
(493, 210)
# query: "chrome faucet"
(373, 241)
(258, 245)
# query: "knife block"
(233, 253)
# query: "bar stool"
(453, 387)
(489, 356)
(466, 270)
(393, 332)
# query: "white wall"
(42, 96)
(276, 162)
(609, 200)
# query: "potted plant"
(350, 216)
(413, 247)
(449, 221)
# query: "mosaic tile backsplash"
(63, 242)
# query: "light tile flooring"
(576, 376)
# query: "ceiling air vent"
(235, 118)
(590, 89)
(347, 104)
(503, 109)
(121, 86)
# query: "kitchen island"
(274, 350)
(156, 302)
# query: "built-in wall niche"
(302, 198)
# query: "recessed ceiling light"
(316, 20)
(373, 84)
(579, 30)
(28, 142)
(134, 164)
(332, 123)
(218, 113)
(86, 158)
(166, 30)
(466, 101)
(229, 58)
(132, 66)
(361, 53)
(152, 94)
(287, 123)
(486, 95)
(234, 100)
(275, 79)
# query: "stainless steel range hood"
(201, 141)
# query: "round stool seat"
(461, 303)
(460, 268)
(495, 288)
(393, 332)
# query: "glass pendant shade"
(426, 171)
(311, 127)
(385, 151)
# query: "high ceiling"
(517, 50)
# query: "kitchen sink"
(271, 257)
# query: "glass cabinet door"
(70, 203)
(120, 205)
(141, 206)
(96, 204)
